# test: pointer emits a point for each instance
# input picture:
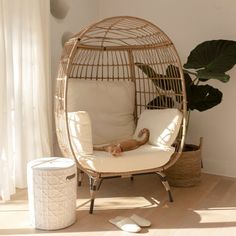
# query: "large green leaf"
(204, 75)
(203, 97)
(166, 83)
(160, 101)
(148, 70)
(172, 71)
(151, 73)
(216, 56)
(161, 80)
(199, 97)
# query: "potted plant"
(209, 60)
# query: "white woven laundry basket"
(52, 192)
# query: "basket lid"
(51, 163)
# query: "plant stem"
(194, 80)
(188, 119)
(190, 72)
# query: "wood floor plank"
(209, 208)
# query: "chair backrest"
(135, 62)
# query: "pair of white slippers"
(132, 224)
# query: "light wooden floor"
(208, 209)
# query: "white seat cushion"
(163, 124)
(144, 158)
(110, 105)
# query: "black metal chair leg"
(80, 177)
(91, 203)
(99, 184)
(166, 184)
(93, 189)
(170, 196)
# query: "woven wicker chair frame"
(122, 48)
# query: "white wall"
(187, 23)
(80, 13)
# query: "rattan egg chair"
(119, 54)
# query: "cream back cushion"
(163, 124)
(110, 105)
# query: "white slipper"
(125, 224)
(142, 222)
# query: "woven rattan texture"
(115, 49)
